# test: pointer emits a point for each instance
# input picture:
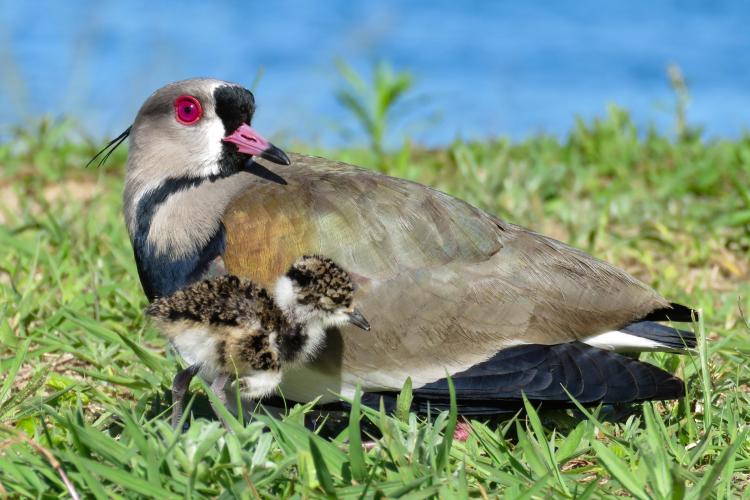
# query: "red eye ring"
(187, 109)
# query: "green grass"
(83, 391)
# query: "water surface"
(488, 68)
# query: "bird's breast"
(198, 345)
(265, 235)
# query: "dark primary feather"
(544, 373)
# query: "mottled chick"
(229, 328)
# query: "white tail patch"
(618, 341)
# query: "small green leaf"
(124, 479)
(10, 376)
(619, 470)
(403, 402)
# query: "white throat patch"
(208, 157)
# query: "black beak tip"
(275, 155)
(357, 319)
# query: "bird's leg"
(217, 386)
(242, 387)
(180, 386)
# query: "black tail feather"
(666, 335)
(676, 312)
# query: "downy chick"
(230, 328)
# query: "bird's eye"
(187, 109)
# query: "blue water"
(485, 68)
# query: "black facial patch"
(299, 276)
(266, 361)
(235, 106)
(291, 341)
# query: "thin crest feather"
(110, 148)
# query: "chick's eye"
(188, 109)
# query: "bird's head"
(316, 289)
(197, 128)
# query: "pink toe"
(462, 432)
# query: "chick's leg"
(180, 386)
(217, 386)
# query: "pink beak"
(250, 142)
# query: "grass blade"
(10, 376)
(321, 470)
(356, 453)
(705, 487)
(619, 470)
(403, 402)
(450, 428)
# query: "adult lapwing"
(447, 288)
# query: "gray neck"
(178, 216)
(175, 228)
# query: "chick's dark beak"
(356, 319)
(250, 142)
